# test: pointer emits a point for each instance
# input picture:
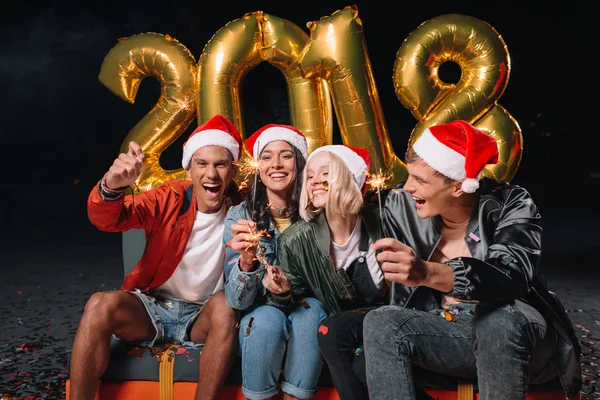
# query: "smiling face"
(277, 172)
(432, 193)
(211, 171)
(317, 173)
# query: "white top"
(200, 271)
(344, 254)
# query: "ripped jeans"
(505, 348)
(172, 319)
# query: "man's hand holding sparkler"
(244, 241)
(125, 169)
(400, 263)
(275, 281)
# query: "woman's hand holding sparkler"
(275, 280)
(244, 241)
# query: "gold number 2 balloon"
(483, 58)
(164, 58)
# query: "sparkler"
(246, 168)
(184, 104)
(255, 236)
(379, 181)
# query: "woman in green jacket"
(328, 255)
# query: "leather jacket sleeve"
(507, 268)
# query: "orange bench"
(169, 372)
(134, 390)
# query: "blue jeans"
(267, 336)
(504, 347)
(172, 319)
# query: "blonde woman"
(328, 255)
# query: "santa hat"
(356, 159)
(457, 150)
(273, 132)
(217, 131)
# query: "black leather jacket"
(504, 237)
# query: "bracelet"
(109, 189)
(108, 195)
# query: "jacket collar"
(188, 200)
(322, 231)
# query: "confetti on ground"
(43, 296)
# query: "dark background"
(61, 128)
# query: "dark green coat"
(303, 254)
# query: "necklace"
(282, 212)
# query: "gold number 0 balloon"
(240, 46)
(338, 53)
(164, 58)
(481, 53)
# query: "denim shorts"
(171, 318)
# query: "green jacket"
(303, 254)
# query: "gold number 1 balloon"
(337, 52)
(483, 58)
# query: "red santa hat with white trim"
(272, 133)
(357, 159)
(457, 150)
(217, 131)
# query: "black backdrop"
(60, 125)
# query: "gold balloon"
(240, 46)
(337, 52)
(481, 53)
(171, 63)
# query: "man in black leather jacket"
(467, 299)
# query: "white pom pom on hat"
(457, 150)
(217, 131)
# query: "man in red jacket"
(180, 275)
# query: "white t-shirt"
(344, 254)
(200, 271)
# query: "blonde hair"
(345, 197)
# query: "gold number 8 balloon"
(483, 58)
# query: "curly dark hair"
(257, 207)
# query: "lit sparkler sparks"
(184, 104)
(255, 236)
(378, 181)
(248, 166)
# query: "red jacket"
(166, 213)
